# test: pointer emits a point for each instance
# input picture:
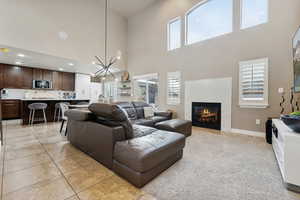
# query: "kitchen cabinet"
(57, 80)
(19, 77)
(47, 75)
(1, 76)
(27, 78)
(37, 74)
(10, 109)
(68, 81)
(42, 74)
(12, 76)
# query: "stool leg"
(45, 119)
(62, 126)
(55, 114)
(58, 114)
(32, 117)
(30, 113)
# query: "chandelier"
(106, 64)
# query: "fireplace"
(206, 115)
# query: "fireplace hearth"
(206, 115)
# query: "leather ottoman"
(176, 125)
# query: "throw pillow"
(148, 112)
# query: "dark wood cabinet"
(1, 76)
(10, 109)
(27, 78)
(12, 77)
(42, 74)
(19, 77)
(57, 80)
(37, 74)
(47, 75)
(68, 81)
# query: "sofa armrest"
(79, 115)
(167, 114)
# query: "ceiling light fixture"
(71, 64)
(61, 69)
(106, 64)
(21, 55)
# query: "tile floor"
(37, 163)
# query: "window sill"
(261, 106)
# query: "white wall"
(34, 25)
(217, 57)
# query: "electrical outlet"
(257, 121)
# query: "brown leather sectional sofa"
(113, 137)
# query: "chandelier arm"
(100, 71)
(112, 74)
(99, 59)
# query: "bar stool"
(34, 107)
(57, 111)
(63, 108)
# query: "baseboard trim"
(246, 132)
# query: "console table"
(286, 146)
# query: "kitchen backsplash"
(35, 94)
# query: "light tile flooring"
(37, 163)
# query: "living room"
(154, 99)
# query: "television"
(296, 55)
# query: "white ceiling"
(39, 60)
(129, 7)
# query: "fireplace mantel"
(210, 90)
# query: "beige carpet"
(222, 167)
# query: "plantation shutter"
(253, 80)
(174, 86)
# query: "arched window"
(208, 19)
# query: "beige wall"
(218, 57)
(34, 25)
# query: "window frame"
(186, 22)
(255, 103)
(168, 33)
(178, 102)
(241, 16)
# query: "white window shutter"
(174, 88)
(254, 82)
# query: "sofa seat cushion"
(144, 153)
(143, 122)
(157, 119)
(140, 131)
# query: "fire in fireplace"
(206, 115)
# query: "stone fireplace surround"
(217, 90)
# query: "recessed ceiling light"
(61, 69)
(71, 64)
(18, 63)
(21, 55)
(94, 63)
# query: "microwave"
(42, 84)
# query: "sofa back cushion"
(129, 108)
(139, 107)
(114, 114)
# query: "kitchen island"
(49, 111)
